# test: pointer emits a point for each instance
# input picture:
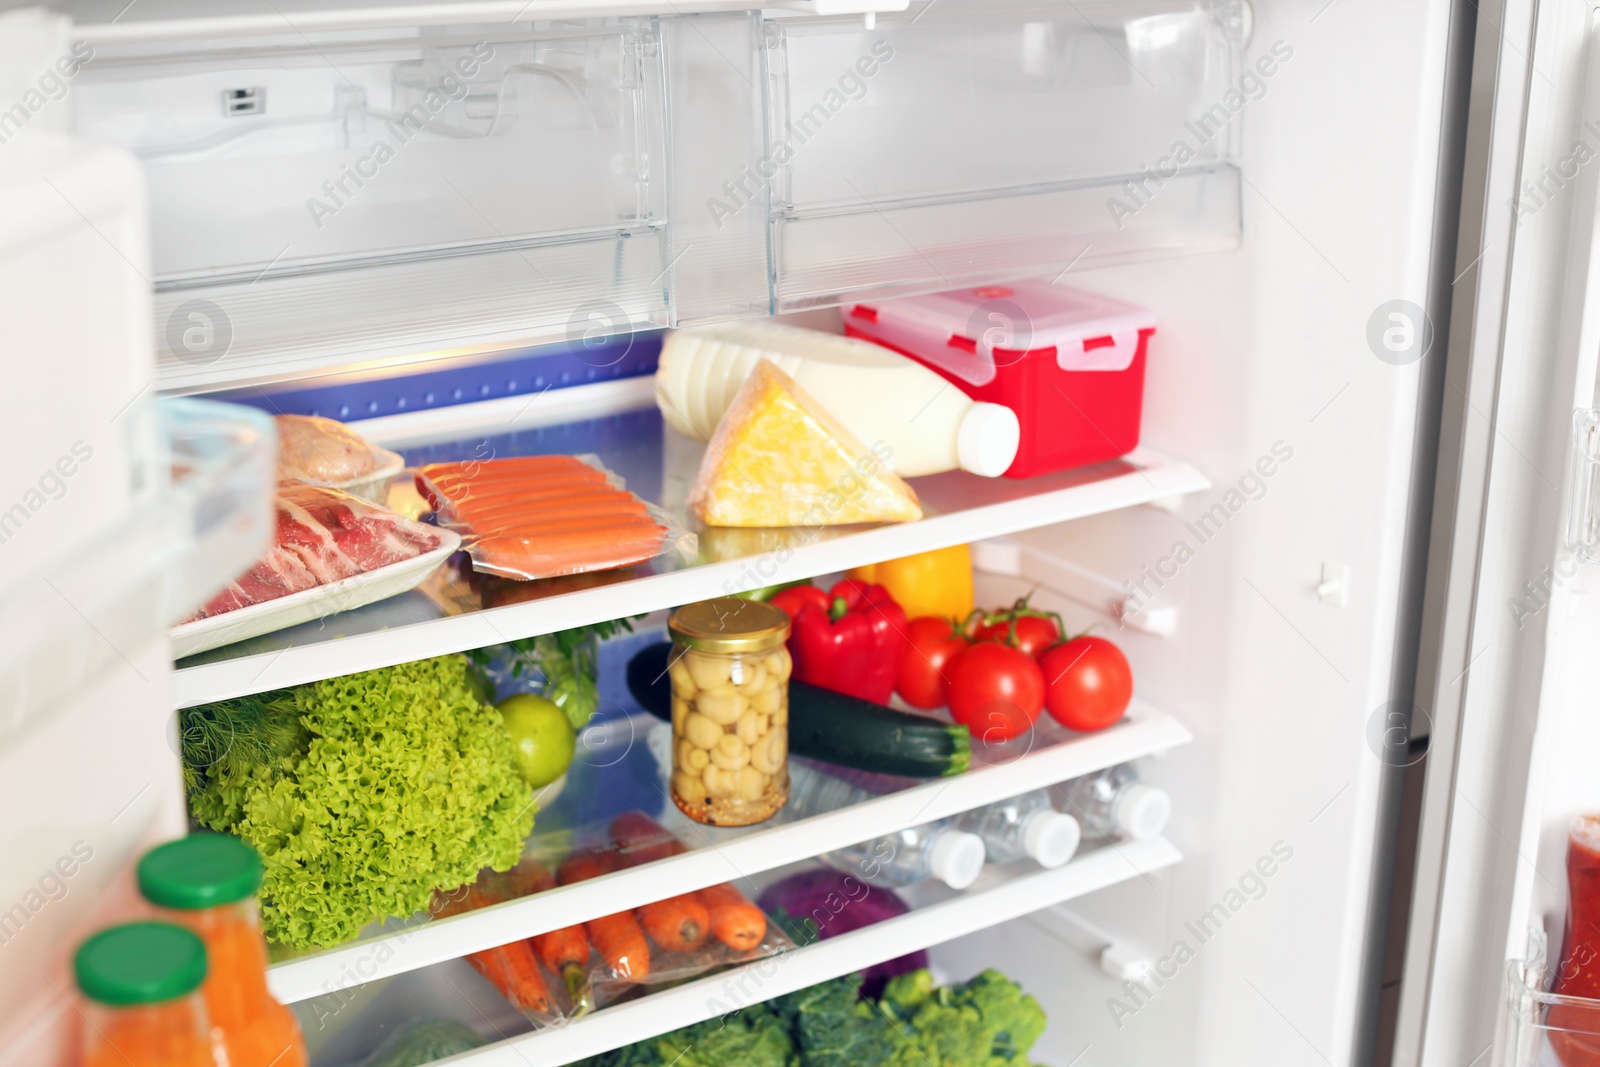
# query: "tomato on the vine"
(996, 691)
(1034, 633)
(1088, 683)
(932, 642)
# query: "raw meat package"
(1069, 363)
(544, 516)
(326, 453)
(323, 535)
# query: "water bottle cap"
(1051, 838)
(658, 739)
(1142, 811)
(957, 858)
(988, 439)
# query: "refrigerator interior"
(1280, 589)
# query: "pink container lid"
(971, 333)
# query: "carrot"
(640, 839)
(621, 944)
(566, 952)
(582, 866)
(560, 949)
(735, 921)
(677, 924)
(514, 971)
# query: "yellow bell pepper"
(928, 583)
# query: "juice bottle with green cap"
(143, 1005)
(208, 882)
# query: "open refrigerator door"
(122, 513)
(1497, 961)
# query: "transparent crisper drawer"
(382, 193)
(1544, 1029)
(201, 512)
(974, 139)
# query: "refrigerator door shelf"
(201, 514)
(601, 785)
(1539, 1023)
(345, 1023)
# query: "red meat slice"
(322, 535)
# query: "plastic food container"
(730, 711)
(1070, 364)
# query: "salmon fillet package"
(545, 516)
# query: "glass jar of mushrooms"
(730, 711)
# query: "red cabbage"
(834, 903)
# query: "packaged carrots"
(515, 972)
(678, 924)
(621, 945)
(544, 516)
(735, 921)
(655, 945)
(566, 952)
(513, 968)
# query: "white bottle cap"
(1050, 837)
(658, 739)
(988, 439)
(1142, 810)
(957, 858)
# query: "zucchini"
(834, 727)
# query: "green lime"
(542, 736)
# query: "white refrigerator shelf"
(1049, 755)
(992, 901)
(959, 508)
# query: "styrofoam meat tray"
(202, 635)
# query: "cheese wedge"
(778, 458)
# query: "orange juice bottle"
(141, 983)
(208, 882)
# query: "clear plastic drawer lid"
(971, 333)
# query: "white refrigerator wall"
(1256, 348)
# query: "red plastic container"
(1069, 363)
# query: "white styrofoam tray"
(358, 590)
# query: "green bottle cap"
(140, 963)
(200, 871)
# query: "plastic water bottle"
(1115, 803)
(932, 850)
(1026, 826)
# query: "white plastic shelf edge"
(958, 916)
(1144, 731)
(1150, 476)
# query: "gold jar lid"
(729, 624)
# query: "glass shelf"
(456, 610)
(615, 771)
(343, 1026)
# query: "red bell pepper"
(854, 645)
(792, 599)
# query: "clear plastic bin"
(1539, 1023)
(201, 513)
(381, 192)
